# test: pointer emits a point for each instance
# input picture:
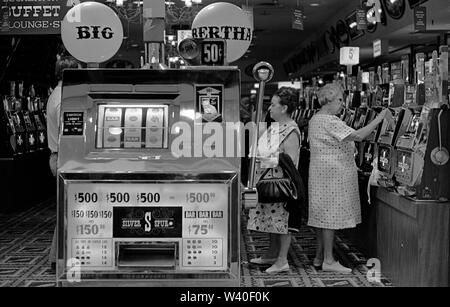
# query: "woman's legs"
(285, 243)
(274, 247)
(319, 249)
(281, 264)
(329, 263)
(328, 240)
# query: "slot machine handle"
(440, 155)
(263, 73)
(439, 130)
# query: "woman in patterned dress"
(282, 136)
(333, 179)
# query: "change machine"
(139, 203)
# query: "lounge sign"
(18, 17)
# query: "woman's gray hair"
(329, 93)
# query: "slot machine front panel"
(130, 209)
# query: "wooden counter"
(412, 240)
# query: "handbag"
(275, 190)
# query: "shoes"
(335, 267)
(317, 264)
(275, 269)
(260, 260)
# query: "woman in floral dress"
(333, 179)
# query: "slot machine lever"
(440, 155)
(263, 73)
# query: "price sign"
(213, 52)
(193, 214)
(349, 56)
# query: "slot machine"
(387, 139)
(15, 132)
(368, 144)
(41, 131)
(24, 114)
(422, 168)
(139, 203)
(358, 123)
(349, 117)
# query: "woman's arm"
(291, 146)
(361, 134)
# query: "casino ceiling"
(274, 39)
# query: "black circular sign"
(395, 8)
(189, 48)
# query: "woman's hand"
(268, 162)
(385, 114)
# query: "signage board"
(212, 52)
(18, 17)
(420, 18)
(92, 32)
(349, 56)
(376, 48)
(297, 19)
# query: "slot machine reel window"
(132, 126)
(413, 125)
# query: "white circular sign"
(226, 21)
(92, 32)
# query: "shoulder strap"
(297, 132)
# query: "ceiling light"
(314, 4)
(353, 24)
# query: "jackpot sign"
(19, 17)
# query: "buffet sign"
(25, 17)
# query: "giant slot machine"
(149, 175)
(422, 168)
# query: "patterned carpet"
(302, 272)
(25, 239)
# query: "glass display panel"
(132, 126)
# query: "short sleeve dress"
(333, 179)
(273, 217)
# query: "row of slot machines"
(302, 117)
(22, 122)
(410, 153)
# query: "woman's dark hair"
(63, 63)
(288, 97)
